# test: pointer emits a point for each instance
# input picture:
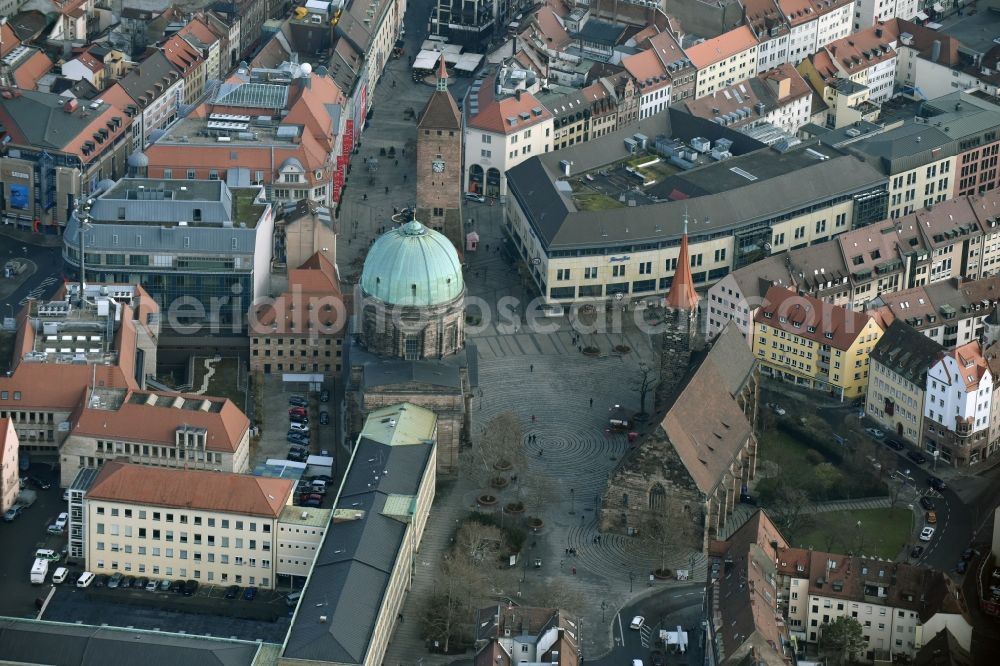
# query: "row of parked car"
(298, 436)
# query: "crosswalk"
(42, 289)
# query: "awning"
(469, 62)
(426, 60)
(938, 7)
(921, 16)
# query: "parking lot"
(21, 538)
(273, 441)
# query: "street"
(41, 277)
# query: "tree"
(664, 530)
(479, 543)
(503, 441)
(563, 597)
(643, 382)
(825, 478)
(842, 639)
(448, 611)
(535, 489)
(790, 509)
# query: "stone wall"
(675, 354)
(440, 329)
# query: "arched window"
(657, 498)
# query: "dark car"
(324, 418)
(296, 455)
(250, 593)
(128, 582)
(115, 580)
(927, 503)
(298, 418)
(322, 477)
(100, 580)
(324, 396)
(967, 554)
(12, 513)
(141, 583)
(917, 552)
(961, 566)
(177, 586)
(917, 457)
(936, 483)
(297, 401)
(190, 587)
(74, 576)
(232, 591)
(310, 497)
(298, 441)
(311, 504)
(656, 658)
(39, 483)
(894, 444)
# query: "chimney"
(517, 94)
(936, 50)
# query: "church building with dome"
(407, 339)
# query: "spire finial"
(685, 220)
(442, 82)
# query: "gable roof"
(494, 114)
(682, 294)
(907, 352)
(440, 112)
(811, 318)
(240, 494)
(722, 47)
(150, 79)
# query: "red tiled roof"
(313, 297)
(722, 47)
(240, 494)
(29, 71)
(811, 318)
(494, 114)
(682, 294)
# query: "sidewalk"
(30, 238)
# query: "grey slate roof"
(907, 352)
(731, 356)
(905, 147)
(40, 117)
(143, 79)
(34, 642)
(353, 566)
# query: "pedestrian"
(395, 211)
(365, 197)
(397, 162)
(567, 551)
(591, 403)
(387, 189)
(404, 177)
(531, 368)
(574, 571)
(487, 247)
(403, 151)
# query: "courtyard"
(872, 532)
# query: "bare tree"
(562, 597)
(502, 441)
(448, 612)
(479, 543)
(535, 489)
(643, 382)
(665, 530)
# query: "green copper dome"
(413, 266)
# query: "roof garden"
(246, 212)
(622, 183)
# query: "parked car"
(62, 519)
(311, 504)
(875, 432)
(473, 196)
(66, 495)
(297, 401)
(190, 587)
(60, 575)
(894, 444)
(927, 503)
(54, 529)
(300, 411)
(917, 457)
(936, 483)
(931, 517)
(927, 533)
(73, 577)
(47, 554)
(85, 579)
(310, 497)
(296, 455)
(177, 586)
(128, 582)
(152, 586)
(12, 513)
(917, 551)
(250, 593)
(115, 580)
(165, 585)
(324, 418)
(39, 483)
(141, 583)
(961, 566)
(101, 580)
(324, 396)
(656, 658)
(323, 477)
(232, 591)
(967, 554)
(637, 622)
(301, 427)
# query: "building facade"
(958, 405)
(10, 484)
(805, 341)
(439, 161)
(723, 60)
(215, 528)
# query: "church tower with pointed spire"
(680, 328)
(439, 162)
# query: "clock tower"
(439, 162)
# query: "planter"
(486, 500)
(591, 351)
(663, 574)
(536, 524)
(514, 508)
(623, 349)
(502, 466)
(499, 482)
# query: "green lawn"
(595, 201)
(780, 448)
(883, 532)
(224, 383)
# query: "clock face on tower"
(438, 166)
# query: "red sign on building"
(348, 143)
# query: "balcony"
(963, 426)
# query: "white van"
(85, 579)
(39, 570)
(60, 575)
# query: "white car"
(61, 520)
(85, 579)
(60, 575)
(301, 427)
(927, 534)
(875, 432)
(637, 622)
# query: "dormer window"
(828, 335)
(768, 315)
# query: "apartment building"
(898, 378)
(868, 13)
(575, 114)
(723, 60)
(505, 125)
(300, 534)
(738, 295)
(212, 527)
(155, 428)
(891, 601)
(814, 24)
(10, 476)
(662, 71)
(207, 37)
(197, 246)
(302, 330)
(769, 26)
(188, 60)
(805, 341)
(149, 94)
(957, 407)
(378, 521)
(778, 96)
(283, 129)
(867, 58)
(504, 633)
(64, 345)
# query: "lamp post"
(572, 501)
(604, 607)
(631, 580)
